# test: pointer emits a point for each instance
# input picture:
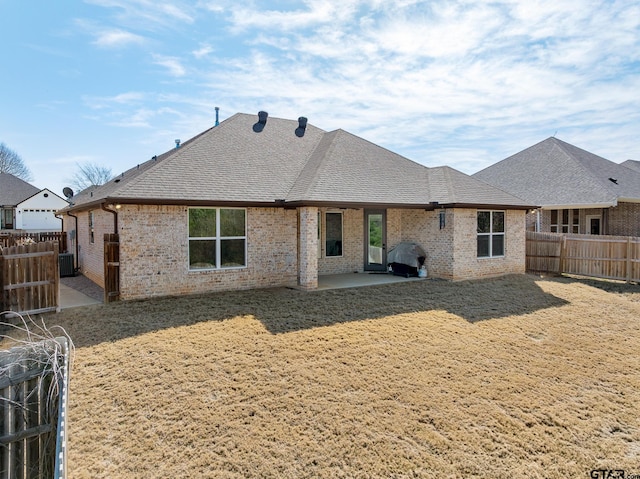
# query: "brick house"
(260, 202)
(578, 192)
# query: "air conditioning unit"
(65, 261)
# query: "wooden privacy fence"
(34, 391)
(111, 267)
(29, 278)
(15, 239)
(609, 257)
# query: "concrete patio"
(357, 280)
(80, 291)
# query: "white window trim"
(560, 225)
(491, 234)
(588, 219)
(218, 239)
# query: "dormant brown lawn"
(514, 377)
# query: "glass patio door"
(375, 240)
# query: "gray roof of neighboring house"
(633, 164)
(553, 173)
(13, 190)
(233, 163)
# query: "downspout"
(77, 256)
(538, 221)
(61, 222)
(115, 217)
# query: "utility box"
(65, 262)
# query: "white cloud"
(143, 117)
(417, 73)
(172, 64)
(458, 82)
(127, 98)
(116, 38)
(203, 51)
(148, 14)
(313, 13)
(108, 37)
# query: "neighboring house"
(633, 164)
(25, 208)
(260, 202)
(578, 192)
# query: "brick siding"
(467, 265)
(90, 259)
(154, 253)
(423, 227)
(624, 219)
(308, 247)
(352, 244)
(154, 248)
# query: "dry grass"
(515, 377)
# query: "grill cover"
(407, 253)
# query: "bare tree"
(11, 162)
(90, 174)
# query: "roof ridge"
(308, 177)
(567, 147)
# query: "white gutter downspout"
(538, 220)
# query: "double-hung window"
(490, 234)
(565, 221)
(217, 238)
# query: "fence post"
(629, 262)
(563, 254)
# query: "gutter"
(115, 217)
(629, 200)
(580, 206)
(281, 203)
(61, 221)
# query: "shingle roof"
(555, 173)
(234, 163)
(13, 190)
(633, 164)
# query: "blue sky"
(463, 83)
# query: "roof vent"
(613, 180)
(178, 143)
(262, 120)
(217, 118)
(302, 126)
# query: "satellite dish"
(68, 192)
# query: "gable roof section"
(98, 193)
(348, 169)
(553, 173)
(13, 190)
(45, 191)
(449, 185)
(633, 164)
(234, 163)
